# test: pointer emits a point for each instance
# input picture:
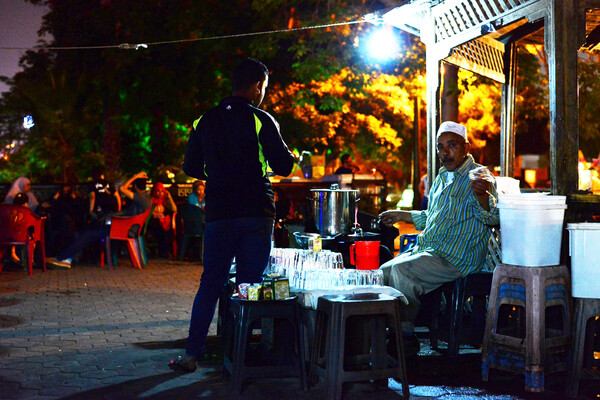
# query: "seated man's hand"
(390, 217)
(480, 187)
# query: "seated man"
(455, 228)
(104, 199)
(348, 166)
(140, 201)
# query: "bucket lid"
(584, 226)
(532, 206)
(528, 194)
(531, 198)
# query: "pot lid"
(335, 190)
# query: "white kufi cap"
(453, 127)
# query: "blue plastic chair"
(192, 218)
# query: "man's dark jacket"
(230, 147)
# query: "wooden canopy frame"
(481, 36)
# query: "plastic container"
(365, 254)
(531, 228)
(531, 198)
(584, 239)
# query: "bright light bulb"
(383, 44)
(28, 122)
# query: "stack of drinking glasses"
(322, 270)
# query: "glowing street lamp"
(28, 122)
(382, 44)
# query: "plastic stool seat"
(542, 349)
(245, 314)
(330, 355)
(583, 364)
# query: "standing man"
(229, 148)
(455, 228)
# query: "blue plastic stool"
(520, 341)
(583, 364)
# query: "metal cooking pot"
(334, 210)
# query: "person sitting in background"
(21, 199)
(20, 194)
(22, 185)
(455, 228)
(160, 224)
(196, 198)
(135, 190)
(348, 166)
(67, 216)
(104, 199)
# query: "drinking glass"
(350, 276)
(481, 173)
(338, 261)
(337, 280)
(377, 277)
(323, 260)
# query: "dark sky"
(19, 23)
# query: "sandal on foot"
(184, 363)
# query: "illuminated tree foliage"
(369, 115)
(479, 110)
(131, 109)
(589, 107)
(480, 101)
(532, 130)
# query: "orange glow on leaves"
(387, 97)
(478, 108)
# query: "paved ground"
(88, 333)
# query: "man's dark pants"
(246, 239)
(88, 237)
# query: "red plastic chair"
(119, 230)
(19, 226)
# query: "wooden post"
(507, 117)
(433, 111)
(416, 159)
(561, 33)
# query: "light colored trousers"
(415, 275)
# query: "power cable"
(137, 46)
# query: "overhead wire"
(137, 46)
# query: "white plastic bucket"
(531, 229)
(584, 240)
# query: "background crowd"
(77, 216)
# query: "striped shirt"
(455, 226)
